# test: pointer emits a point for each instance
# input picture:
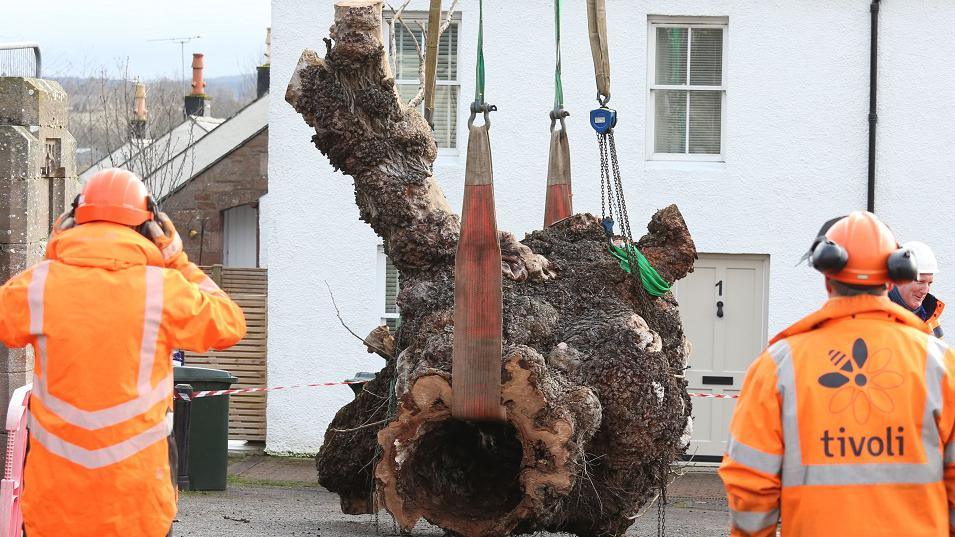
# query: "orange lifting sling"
(478, 306)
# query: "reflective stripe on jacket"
(102, 315)
(844, 426)
(934, 322)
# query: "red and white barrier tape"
(213, 393)
(715, 395)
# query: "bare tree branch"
(338, 313)
(395, 16)
(450, 17)
(416, 100)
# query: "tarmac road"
(261, 510)
(280, 496)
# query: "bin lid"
(362, 376)
(186, 374)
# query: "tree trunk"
(592, 369)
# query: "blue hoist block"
(603, 119)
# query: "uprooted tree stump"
(595, 399)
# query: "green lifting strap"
(479, 75)
(558, 85)
(652, 282)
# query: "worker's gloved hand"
(64, 222)
(164, 235)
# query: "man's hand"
(165, 236)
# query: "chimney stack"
(137, 126)
(197, 102)
(262, 82)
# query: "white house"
(775, 144)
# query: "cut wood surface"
(594, 398)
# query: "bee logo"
(861, 381)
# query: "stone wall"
(38, 180)
(240, 178)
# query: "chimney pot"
(198, 84)
(140, 112)
(263, 71)
(197, 102)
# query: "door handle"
(719, 309)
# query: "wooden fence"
(248, 287)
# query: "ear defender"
(151, 206)
(75, 204)
(829, 258)
(902, 266)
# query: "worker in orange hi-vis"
(844, 425)
(102, 312)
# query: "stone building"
(38, 182)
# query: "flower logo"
(861, 381)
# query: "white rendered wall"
(795, 145)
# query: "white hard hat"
(924, 257)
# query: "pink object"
(11, 518)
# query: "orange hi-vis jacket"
(844, 427)
(102, 314)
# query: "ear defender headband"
(830, 258)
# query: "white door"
(241, 237)
(723, 305)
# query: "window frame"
(690, 23)
(381, 290)
(414, 17)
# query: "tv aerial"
(182, 52)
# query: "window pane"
(706, 57)
(671, 56)
(705, 112)
(670, 125)
(408, 91)
(445, 115)
(445, 111)
(391, 287)
(406, 55)
(448, 54)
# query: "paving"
(278, 496)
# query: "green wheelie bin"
(208, 427)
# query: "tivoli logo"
(861, 382)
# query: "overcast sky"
(80, 37)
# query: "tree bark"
(592, 368)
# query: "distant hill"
(239, 87)
(239, 84)
(100, 108)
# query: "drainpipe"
(873, 86)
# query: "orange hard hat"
(113, 195)
(860, 249)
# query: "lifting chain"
(613, 204)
